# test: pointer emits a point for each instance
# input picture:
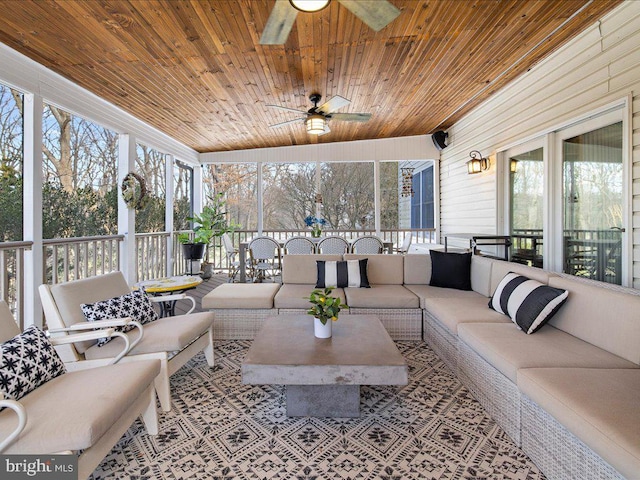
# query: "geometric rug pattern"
(221, 429)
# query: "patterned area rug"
(221, 429)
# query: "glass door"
(526, 199)
(593, 198)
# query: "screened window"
(80, 185)
(422, 204)
(289, 195)
(11, 138)
(239, 184)
(347, 192)
(150, 165)
(182, 195)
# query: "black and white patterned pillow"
(27, 361)
(341, 274)
(529, 303)
(135, 305)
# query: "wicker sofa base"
(556, 451)
(441, 341)
(238, 323)
(400, 323)
(496, 393)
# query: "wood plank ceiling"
(195, 69)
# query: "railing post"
(126, 216)
(32, 208)
(168, 215)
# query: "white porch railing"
(12, 277)
(68, 259)
(151, 253)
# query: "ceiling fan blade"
(334, 104)
(351, 117)
(279, 23)
(375, 13)
(326, 129)
(287, 109)
(288, 122)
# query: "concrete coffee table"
(323, 376)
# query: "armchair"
(78, 412)
(172, 340)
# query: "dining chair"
(406, 243)
(231, 254)
(299, 246)
(367, 244)
(333, 246)
(265, 260)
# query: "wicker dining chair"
(333, 246)
(299, 246)
(367, 244)
(231, 254)
(264, 253)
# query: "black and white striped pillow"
(341, 274)
(529, 303)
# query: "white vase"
(320, 330)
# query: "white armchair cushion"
(27, 361)
(169, 334)
(135, 305)
(74, 410)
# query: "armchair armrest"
(22, 421)
(95, 335)
(108, 324)
(174, 297)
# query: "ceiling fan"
(375, 13)
(317, 117)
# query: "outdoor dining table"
(244, 248)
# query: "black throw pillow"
(450, 270)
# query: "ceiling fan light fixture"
(309, 5)
(315, 124)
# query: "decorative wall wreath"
(134, 191)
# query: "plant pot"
(193, 251)
(320, 330)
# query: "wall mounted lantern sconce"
(513, 165)
(477, 163)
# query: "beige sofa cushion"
(382, 269)
(302, 269)
(481, 268)
(169, 334)
(295, 296)
(451, 312)
(426, 291)
(417, 269)
(73, 411)
(508, 349)
(599, 406)
(381, 296)
(500, 268)
(601, 316)
(241, 295)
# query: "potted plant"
(325, 311)
(207, 225)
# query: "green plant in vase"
(325, 307)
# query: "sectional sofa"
(568, 394)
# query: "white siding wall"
(597, 68)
